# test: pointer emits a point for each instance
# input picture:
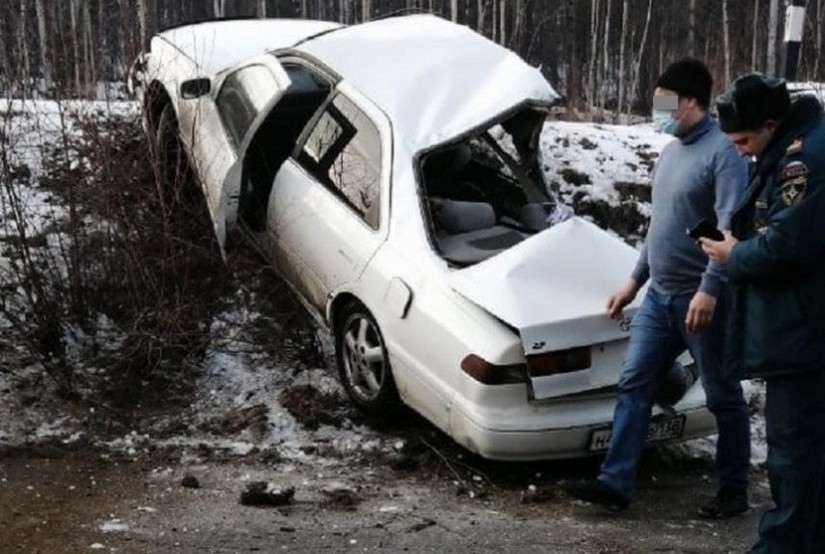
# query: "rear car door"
(329, 203)
(223, 127)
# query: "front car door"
(224, 124)
(330, 201)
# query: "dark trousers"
(795, 419)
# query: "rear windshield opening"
(486, 193)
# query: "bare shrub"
(127, 277)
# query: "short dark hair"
(752, 100)
(688, 77)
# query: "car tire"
(174, 177)
(363, 362)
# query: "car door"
(329, 204)
(223, 127)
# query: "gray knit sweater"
(698, 176)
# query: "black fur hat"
(752, 100)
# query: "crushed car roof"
(433, 78)
(218, 45)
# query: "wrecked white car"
(390, 172)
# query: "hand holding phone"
(707, 230)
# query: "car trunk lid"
(553, 287)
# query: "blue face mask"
(664, 123)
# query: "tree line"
(599, 54)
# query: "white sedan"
(390, 172)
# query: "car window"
(243, 95)
(343, 151)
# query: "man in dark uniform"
(776, 268)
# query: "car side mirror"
(195, 88)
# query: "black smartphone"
(705, 229)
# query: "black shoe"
(723, 506)
(593, 490)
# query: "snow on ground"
(583, 162)
(590, 159)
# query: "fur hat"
(752, 100)
(688, 77)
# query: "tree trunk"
(261, 11)
(454, 11)
(502, 21)
(75, 46)
(481, 6)
(754, 30)
(5, 70)
(818, 46)
(606, 59)
(22, 42)
(494, 30)
(594, 47)
(773, 24)
(625, 15)
(518, 24)
(726, 40)
(89, 76)
(637, 68)
(692, 29)
(43, 37)
(218, 8)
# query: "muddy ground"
(431, 498)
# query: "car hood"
(553, 286)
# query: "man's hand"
(621, 298)
(718, 251)
(700, 312)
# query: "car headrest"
(458, 216)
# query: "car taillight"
(562, 361)
(490, 374)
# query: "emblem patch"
(760, 226)
(795, 146)
(793, 190)
(793, 170)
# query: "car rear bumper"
(547, 432)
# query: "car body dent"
(538, 286)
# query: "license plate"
(658, 431)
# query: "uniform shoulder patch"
(793, 180)
(795, 146)
(793, 170)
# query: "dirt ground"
(54, 501)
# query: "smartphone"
(705, 229)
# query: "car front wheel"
(173, 168)
(363, 362)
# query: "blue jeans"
(657, 336)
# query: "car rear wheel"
(363, 363)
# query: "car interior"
(486, 193)
(275, 140)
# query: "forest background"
(603, 56)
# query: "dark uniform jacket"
(777, 270)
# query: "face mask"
(664, 123)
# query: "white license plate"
(661, 430)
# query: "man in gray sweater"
(698, 177)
